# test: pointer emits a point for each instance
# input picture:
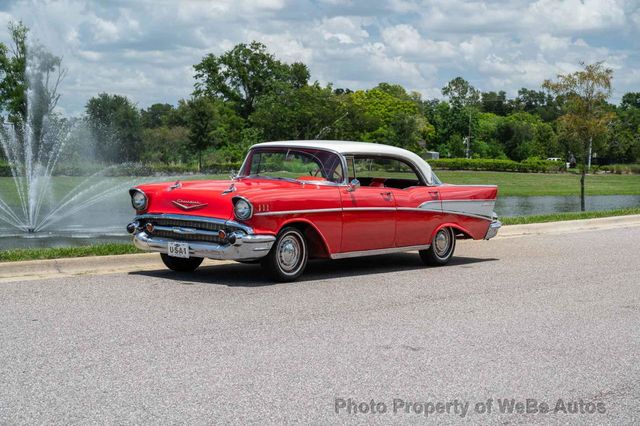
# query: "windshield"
(301, 164)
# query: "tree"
(630, 100)
(387, 114)
(13, 69)
(308, 112)
(203, 121)
(461, 93)
(165, 144)
(587, 116)
(155, 116)
(115, 124)
(539, 103)
(495, 103)
(245, 73)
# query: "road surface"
(550, 318)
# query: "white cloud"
(406, 40)
(146, 49)
(577, 15)
(344, 30)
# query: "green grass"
(520, 184)
(106, 249)
(558, 217)
(527, 184)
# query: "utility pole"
(589, 159)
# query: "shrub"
(531, 165)
(621, 169)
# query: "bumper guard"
(246, 247)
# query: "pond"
(108, 219)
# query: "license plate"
(178, 250)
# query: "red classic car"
(296, 200)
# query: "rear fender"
(457, 227)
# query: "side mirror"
(353, 185)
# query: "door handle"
(388, 193)
(434, 194)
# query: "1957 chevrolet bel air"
(296, 200)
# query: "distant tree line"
(246, 95)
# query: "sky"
(146, 49)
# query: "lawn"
(527, 184)
(520, 184)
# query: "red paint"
(367, 218)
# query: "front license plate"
(178, 250)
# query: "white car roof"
(357, 148)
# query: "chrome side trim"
(466, 214)
(358, 209)
(480, 208)
(246, 247)
(283, 212)
(378, 251)
(222, 222)
(332, 210)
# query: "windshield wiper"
(276, 178)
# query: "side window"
(351, 169)
(384, 171)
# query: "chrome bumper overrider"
(493, 229)
(246, 247)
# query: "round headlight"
(242, 209)
(138, 199)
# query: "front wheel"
(288, 256)
(179, 264)
(441, 249)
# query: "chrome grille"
(208, 226)
(192, 228)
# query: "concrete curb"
(99, 265)
(569, 226)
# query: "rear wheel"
(179, 264)
(441, 249)
(288, 256)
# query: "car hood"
(210, 198)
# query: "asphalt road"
(543, 317)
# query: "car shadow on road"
(251, 275)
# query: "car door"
(418, 206)
(368, 214)
(419, 213)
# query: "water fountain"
(33, 145)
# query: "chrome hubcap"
(289, 253)
(442, 242)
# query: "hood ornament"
(175, 186)
(189, 204)
(232, 188)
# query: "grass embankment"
(559, 217)
(530, 184)
(106, 249)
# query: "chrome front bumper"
(493, 229)
(246, 247)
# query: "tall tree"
(203, 121)
(587, 115)
(495, 102)
(245, 73)
(13, 69)
(115, 124)
(155, 116)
